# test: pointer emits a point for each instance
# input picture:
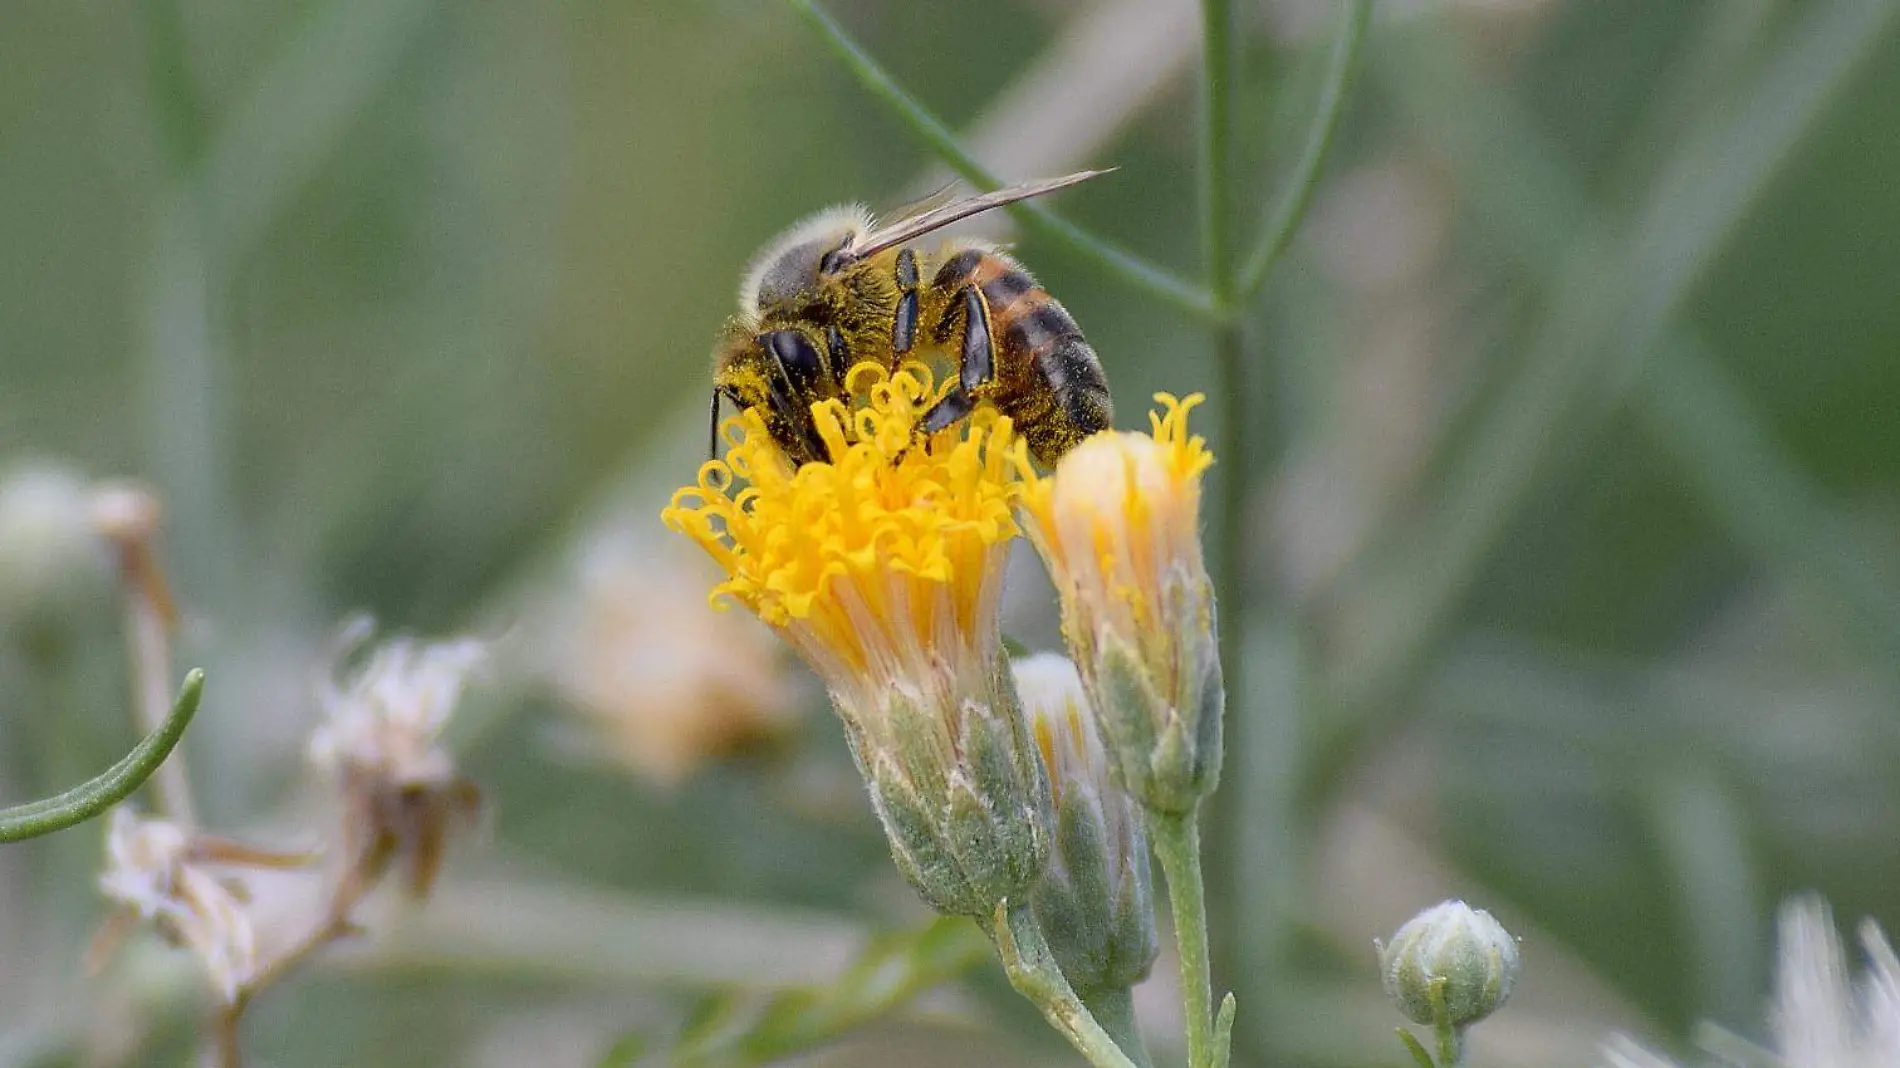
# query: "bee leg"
(955, 405)
(904, 323)
(976, 364)
(712, 430)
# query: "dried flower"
(1462, 950)
(381, 742)
(1096, 900)
(882, 569)
(156, 871)
(1818, 1019)
(1118, 525)
(665, 682)
(52, 571)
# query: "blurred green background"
(1575, 522)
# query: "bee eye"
(831, 261)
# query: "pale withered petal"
(152, 871)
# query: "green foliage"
(738, 1029)
(115, 784)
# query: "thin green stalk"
(1032, 970)
(1233, 474)
(1115, 261)
(1115, 1011)
(1177, 843)
(96, 795)
(1217, 153)
(1342, 70)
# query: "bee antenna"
(712, 430)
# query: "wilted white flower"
(386, 721)
(1820, 1016)
(156, 871)
(382, 741)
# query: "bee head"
(791, 268)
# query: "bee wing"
(941, 197)
(935, 216)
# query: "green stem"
(1217, 129)
(1177, 843)
(1342, 69)
(1033, 971)
(90, 798)
(1115, 1011)
(1451, 1037)
(1117, 262)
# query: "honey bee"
(840, 288)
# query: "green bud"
(1464, 948)
(959, 790)
(1095, 903)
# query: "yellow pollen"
(890, 543)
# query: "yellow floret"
(887, 550)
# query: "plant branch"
(1342, 70)
(1032, 970)
(1115, 261)
(96, 795)
(1217, 156)
(1177, 843)
(337, 921)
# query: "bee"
(840, 288)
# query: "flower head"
(156, 872)
(381, 742)
(1118, 524)
(882, 568)
(1096, 900)
(1451, 955)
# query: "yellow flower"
(1118, 524)
(882, 568)
(879, 562)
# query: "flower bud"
(1118, 525)
(1464, 948)
(1096, 900)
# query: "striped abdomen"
(1045, 377)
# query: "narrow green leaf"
(1417, 1050)
(1117, 262)
(1342, 70)
(90, 798)
(889, 973)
